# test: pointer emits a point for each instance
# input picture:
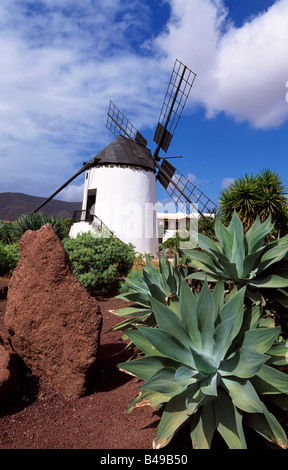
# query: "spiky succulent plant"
(162, 284)
(242, 259)
(210, 364)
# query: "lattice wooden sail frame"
(185, 195)
(118, 124)
(181, 82)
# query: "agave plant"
(162, 284)
(242, 259)
(211, 366)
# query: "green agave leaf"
(268, 427)
(251, 263)
(168, 321)
(278, 354)
(218, 295)
(136, 297)
(225, 238)
(238, 249)
(272, 256)
(187, 308)
(167, 345)
(245, 363)
(204, 363)
(148, 398)
(229, 270)
(139, 286)
(251, 232)
(204, 259)
(243, 394)
(209, 385)
(229, 421)
(157, 293)
(196, 399)
(270, 380)
(143, 343)
(257, 234)
(234, 306)
(224, 334)
(235, 225)
(271, 281)
(163, 381)
(151, 271)
(133, 311)
(175, 415)
(171, 279)
(144, 367)
(208, 245)
(251, 318)
(260, 339)
(203, 427)
(184, 373)
(202, 276)
(206, 314)
(129, 322)
(232, 317)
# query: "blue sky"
(62, 61)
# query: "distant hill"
(12, 205)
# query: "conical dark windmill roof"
(123, 151)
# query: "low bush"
(99, 263)
(9, 257)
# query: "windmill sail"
(177, 93)
(118, 124)
(85, 167)
(182, 191)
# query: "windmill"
(120, 182)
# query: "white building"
(120, 193)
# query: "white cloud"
(61, 62)
(72, 193)
(226, 182)
(241, 71)
(59, 69)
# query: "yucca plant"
(242, 259)
(210, 365)
(242, 196)
(262, 195)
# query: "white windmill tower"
(120, 182)
(120, 191)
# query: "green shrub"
(209, 365)
(9, 257)
(99, 263)
(3, 260)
